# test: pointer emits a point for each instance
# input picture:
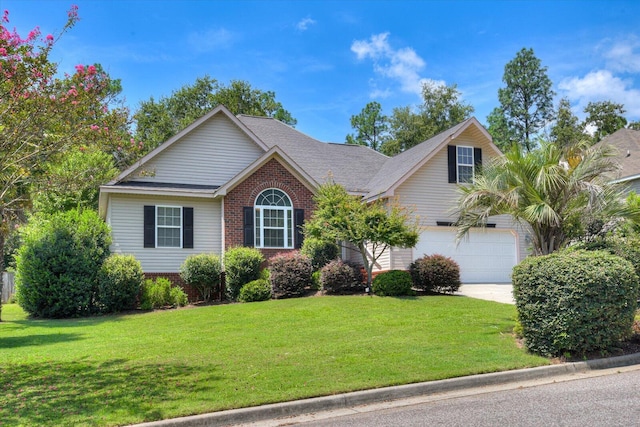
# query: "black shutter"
(477, 157)
(298, 222)
(247, 224)
(149, 226)
(452, 153)
(187, 228)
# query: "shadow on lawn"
(90, 393)
(38, 340)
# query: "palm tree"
(553, 190)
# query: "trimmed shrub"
(241, 266)
(435, 273)
(257, 290)
(575, 302)
(202, 271)
(339, 277)
(159, 293)
(290, 275)
(392, 283)
(58, 264)
(321, 252)
(119, 283)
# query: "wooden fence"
(8, 286)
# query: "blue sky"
(326, 59)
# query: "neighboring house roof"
(627, 142)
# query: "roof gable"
(143, 168)
(397, 169)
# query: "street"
(604, 398)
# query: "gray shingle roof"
(627, 142)
(349, 165)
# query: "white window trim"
(458, 164)
(169, 226)
(259, 222)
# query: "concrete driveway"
(492, 292)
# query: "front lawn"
(127, 369)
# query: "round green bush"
(202, 271)
(257, 290)
(58, 264)
(321, 252)
(241, 266)
(339, 277)
(290, 275)
(575, 302)
(119, 283)
(392, 283)
(435, 273)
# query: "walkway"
(499, 293)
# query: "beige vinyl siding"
(212, 154)
(126, 217)
(432, 197)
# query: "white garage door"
(485, 256)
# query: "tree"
(371, 126)
(63, 191)
(527, 99)
(157, 121)
(543, 189)
(372, 228)
(42, 115)
(634, 126)
(503, 136)
(606, 116)
(567, 130)
(440, 110)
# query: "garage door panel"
(484, 256)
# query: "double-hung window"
(465, 163)
(273, 220)
(168, 227)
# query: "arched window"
(273, 220)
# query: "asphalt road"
(606, 398)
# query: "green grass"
(126, 369)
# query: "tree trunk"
(368, 266)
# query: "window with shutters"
(465, 164)
(273, 220)
(168, 227)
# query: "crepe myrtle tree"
(371, 227)
(44, 115)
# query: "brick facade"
(271, 175)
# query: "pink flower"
(49, 38)
(5, 16)
(80, 69)
(73, 12)
(91, 69)
(3, 51)
(95, 127)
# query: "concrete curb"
(346, 400)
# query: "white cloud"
(211, 40)
(400, 65)
(304, 24)
(623, 55)
(602, 85)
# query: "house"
(230, 180)
(627, 144)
